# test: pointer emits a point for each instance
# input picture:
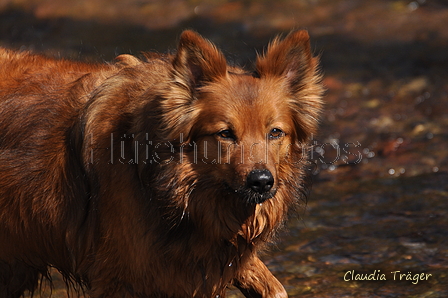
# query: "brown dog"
(161, 177)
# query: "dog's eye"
(276, 133)
(226, 134)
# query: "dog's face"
(244, 133)
(243, 129)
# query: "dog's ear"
(292, 60)
(197, 60)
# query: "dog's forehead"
(245, 89)
(243, 97)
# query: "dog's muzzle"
(259, 186)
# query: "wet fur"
(115, 174)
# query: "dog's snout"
(260, 181)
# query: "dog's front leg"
(256, 281)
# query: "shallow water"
(387, 225)
(380, 199)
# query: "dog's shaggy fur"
(155, 177)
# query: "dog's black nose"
(260, 181)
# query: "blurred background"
(380, 194)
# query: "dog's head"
(242, 130)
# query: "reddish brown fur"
(122, 178)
